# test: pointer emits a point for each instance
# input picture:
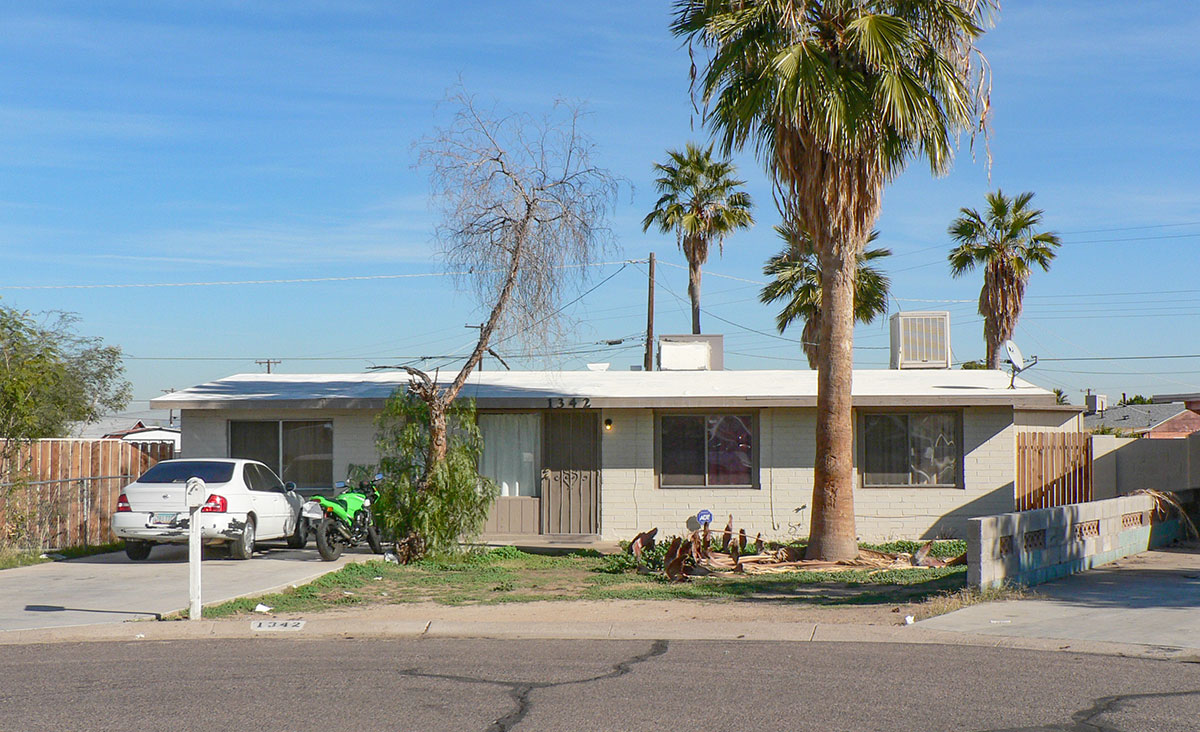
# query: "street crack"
(1085, 719)
(520, 692)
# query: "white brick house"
(612, 453)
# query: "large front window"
(913, 449)
(298, 451)
(706, 450)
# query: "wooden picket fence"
(1053, 469)
(56, 494)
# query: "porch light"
(608, 425)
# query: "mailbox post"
(196, 493)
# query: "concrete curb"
(328, 629)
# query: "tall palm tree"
(837, 96)
(796, 281)
(1004, 241)
(701, 203)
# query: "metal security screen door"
(571, 473)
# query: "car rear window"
(179, 472)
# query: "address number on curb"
(573, 403)
(276, 624)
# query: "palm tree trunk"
(831, 533)
(694, 292)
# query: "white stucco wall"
(631, 502)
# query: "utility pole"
(268, 362)
(648, 364)
(480, 329)
(170, 412)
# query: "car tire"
(138, 550)
(328, 545)
(299, 537)
(373, 539)
(243, 547)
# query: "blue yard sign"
(704, 517)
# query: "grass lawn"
(10, 559)
(508, 575)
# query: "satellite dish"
(1017, 361)
(1014, 355)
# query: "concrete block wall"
(989, 447)
(206, 434)
(780, 508)
(630, 500)
(997, 550)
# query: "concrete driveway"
(1150, 599)
(109, 588)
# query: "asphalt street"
(577, 686)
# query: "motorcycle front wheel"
(374, 540)
(329, 543)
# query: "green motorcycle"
(345, 520)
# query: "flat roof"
(616, 389)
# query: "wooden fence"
(56, 494)
(1053, 469)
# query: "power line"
(359, 278)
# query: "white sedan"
(246, 502)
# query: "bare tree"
(524, 211)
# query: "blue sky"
(180, 142)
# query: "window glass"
(934, 449)
(682, 444)
(512, 446)
(910, 449)
(254, 441)
(886, 449)
(729, 456)
(179, 471)
(308, 454)
(254, 478)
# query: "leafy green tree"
(701, 203)
(1060, 397)
(1135, 399)
(796, 282)
(52, 378)
(1004, 240)
(430, 508)
(836, 97)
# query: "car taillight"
(123, 504)
(215, 504)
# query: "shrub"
(453, 505)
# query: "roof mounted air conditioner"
(921, 340)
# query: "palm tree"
(700, 203)
(836, 97)
(796, 281)
(1004, 242)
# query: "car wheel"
(243, 547)
(138, 550)
(328, 544)
(299, 537)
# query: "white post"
(195, 499)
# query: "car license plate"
(312, 510)
(164, 518)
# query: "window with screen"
(706, 451)
(911, 449)
(300, 452)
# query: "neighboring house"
(1168, 420)
(140, 432)
(611, 453)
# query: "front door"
(571, 472)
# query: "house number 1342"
(576, 403)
